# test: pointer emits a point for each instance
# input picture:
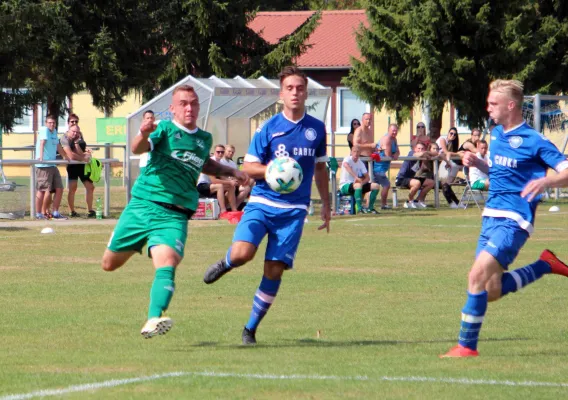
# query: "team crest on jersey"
(311, 134)
(177, 135)
(200, 143)
(281, 151)
(515, 141)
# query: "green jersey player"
(163, 199)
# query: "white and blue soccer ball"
(284, 174)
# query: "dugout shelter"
(231, 110)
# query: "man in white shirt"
(241, 192)
(355, 181)
(480, 180)
(222, 188)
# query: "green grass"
(384, 292)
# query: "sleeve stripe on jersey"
(251, 158)
(562, 166)
(151, 144)
(322, 159)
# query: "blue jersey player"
(298, 135)
(519, 155)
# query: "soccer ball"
(283, 174)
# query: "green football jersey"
(174, 164)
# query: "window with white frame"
(349, 106)
(461, 126)
(26, 123)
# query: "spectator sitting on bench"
(406, 177)
(449, 145)
(242, 192)
(479, 179)
(355, 181)
(222, 188)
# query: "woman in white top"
(450, 144)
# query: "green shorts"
(145, 222)
(478, 184)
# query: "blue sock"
(263, 299)
(521, 277)
(472, 317)
(230, 264)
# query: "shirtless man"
(363, 137)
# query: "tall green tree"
(110, 47)
(205, 37)
(435, 51)
(56, 48)
(32, 35)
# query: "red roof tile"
(333, 41)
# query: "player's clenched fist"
(147, 127)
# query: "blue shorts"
(283, 226)
(503, 238)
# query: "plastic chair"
(470, 194)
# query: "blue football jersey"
(303, 140)
(517, 157)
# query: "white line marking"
(211, 374)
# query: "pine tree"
(436, 51)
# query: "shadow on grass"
(328, 343)
(12, 229)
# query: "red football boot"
(557, 266)
(460, 351)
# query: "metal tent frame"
(231, 109)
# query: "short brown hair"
(511, 88)
(291, 70)
(183, 88)
(72, 115)
(51, 116)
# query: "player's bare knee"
(242, 254)
(109, 264)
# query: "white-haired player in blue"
(519, 154)
(302, 137)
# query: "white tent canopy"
(231, 110)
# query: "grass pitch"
(365, 314)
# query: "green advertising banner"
(111, 130)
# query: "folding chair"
(470, 194)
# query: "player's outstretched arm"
(212, 167)
(322, 184)
(537, 186)
(254, 169)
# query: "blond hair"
(229, 146)
(512, 88)
(183, 88)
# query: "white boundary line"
(119, 382)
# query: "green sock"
(372, 198)
(162, 291)
(358, 198)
